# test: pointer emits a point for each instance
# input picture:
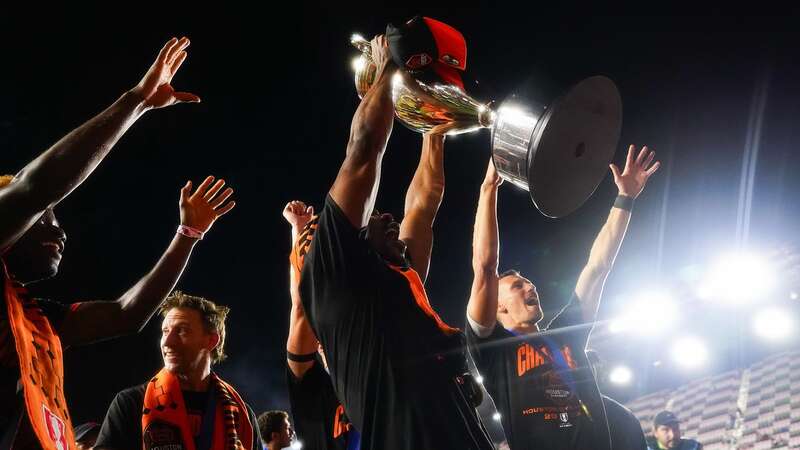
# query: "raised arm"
(423, 198)
(630, 183)
(50, 177)
(301, 340)
(356, 185)
(482, 306)
(98, 320)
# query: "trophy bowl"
(559, 153)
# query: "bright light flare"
(620, 375)
(773, 324)
(650, 313)
(358, 63)
(739, 278)
(689, 352)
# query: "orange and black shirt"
(542, 384)
(319, 417)
(395, 366)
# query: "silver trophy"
(558, 153)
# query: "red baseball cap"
(429, 49)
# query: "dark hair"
(508, 273)
(271, 422)
(213, 316)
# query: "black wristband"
(301, 358)
(624, 202)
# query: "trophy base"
(572, 145)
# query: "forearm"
(424, 195)
(589, 288)
(482, 306)
(485, 236)
(301, 339)
(49, 178)
(56, 172)
(139, 303)
(372, 121)
(356, 186)
(607, 244)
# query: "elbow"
(485, 267)
(132, 320)
(424, 206)
(485, 260)
(136, 328)
(362, 146)
(363, 134)
(598, 270)
(127, 328)
(30, 192)
(359, 136)
(133, 326)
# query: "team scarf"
(41, 367)
(165, 422)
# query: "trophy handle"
(362, 45)
(420, 106)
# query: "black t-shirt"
(395, 371)
(122, 427)
(542, 384)
(626, 431)
(13, 420)
(319, 417)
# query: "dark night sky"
(278, 98)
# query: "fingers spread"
(214, 189)
(176, 48)
(614, 170)
(225, 209)
(649, 159)
(178, 61)
(653, 169)
(642, 153)
(203, 186)
(222, 197)
(164, 53)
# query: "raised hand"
(636, 173)
(298, 214)
(155, 87)
(380, 54)
(492, 178)
(199, 210)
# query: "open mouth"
(55, 246)
(532, 301)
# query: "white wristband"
(190, 232)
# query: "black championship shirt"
(397, 372)
(319, 418)
(542, 384)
